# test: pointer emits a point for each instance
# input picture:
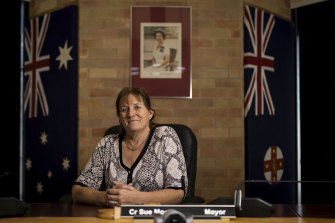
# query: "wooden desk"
(82, 210)
(305, 211)
(70, 213)
(101, 220)
(61, 210)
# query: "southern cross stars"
(43, 138)
(66, 163)
(28, 164)
(39, 187)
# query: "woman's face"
(134, 115)
(159, 37)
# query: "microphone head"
(238, 199)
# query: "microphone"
(238, 191)
(173, 216)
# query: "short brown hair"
(142, 95)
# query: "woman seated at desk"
(142, 164)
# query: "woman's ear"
(152, 112)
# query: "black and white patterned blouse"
(160, 165)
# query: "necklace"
(136, 148)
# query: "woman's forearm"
(125, 196)
(121, 194)
(88, 195)
(166, 196)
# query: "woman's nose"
(131, 112)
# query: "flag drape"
(270, 99)
(50, 103)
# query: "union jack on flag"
(36, 64)
(269, 132)
(258, 60)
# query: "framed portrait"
(161, 51)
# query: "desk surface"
(69, 213)
(101, 220)
(82, 210)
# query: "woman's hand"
(120, 194)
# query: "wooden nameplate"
(106, 213)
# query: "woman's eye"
(123, 109)
(137, 107)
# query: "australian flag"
(270, 111)
(50, 104)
